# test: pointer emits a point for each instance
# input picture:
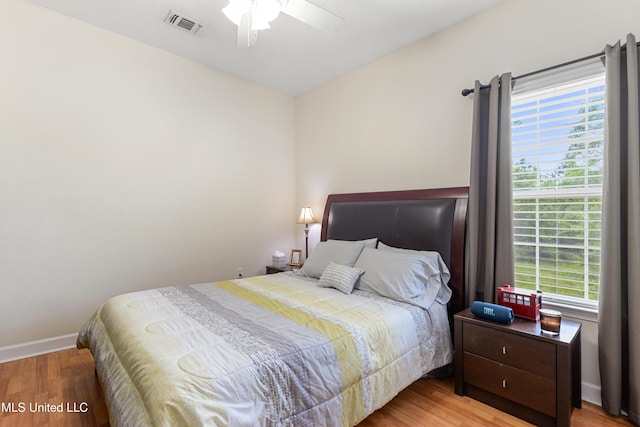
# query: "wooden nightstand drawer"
(517, 369)
(519, 386)
(534, 356)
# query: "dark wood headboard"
(433, 219)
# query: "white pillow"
(339, 251)
(341, 277)
(408, 276)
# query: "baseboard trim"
(591, 393)
(35, 348)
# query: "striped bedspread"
(272, 350)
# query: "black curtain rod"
(466, 92)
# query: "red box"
(525, 303)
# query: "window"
(558, 137)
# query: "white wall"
(123, 167)
(401, 123)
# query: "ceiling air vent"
(181, 21)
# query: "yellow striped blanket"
(272, 350)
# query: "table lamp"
(306, 218)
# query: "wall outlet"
(239, 272)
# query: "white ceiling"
(290, 57)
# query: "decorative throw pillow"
(339, 251)
(340, 277)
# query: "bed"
(297, 348)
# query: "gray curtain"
(619, 310)
(490, 225)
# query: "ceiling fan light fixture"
(235, 9)
(258, 23)
(266, 9)
(261, 12)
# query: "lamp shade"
(306, 216)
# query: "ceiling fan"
(252, 16)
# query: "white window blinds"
(557, 137)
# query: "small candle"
(550, 321)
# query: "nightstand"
(517, 369)
(273, 269)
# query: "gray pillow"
(435, 257)
(408, 276)
(340, 277)
(339, 251)
(370, 243)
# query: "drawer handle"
(504, 383)
(504, 350)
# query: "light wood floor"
(67, 377)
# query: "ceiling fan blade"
(313, 15)
(246, 36)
